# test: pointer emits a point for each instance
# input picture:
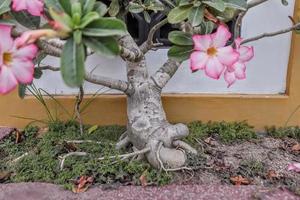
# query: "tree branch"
(165, 73)
(129, 49)
(254, 3)
(271, 34)
(100, 80)
(148, 44)
(110, 83)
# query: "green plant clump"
(227, 132)
(283, 132)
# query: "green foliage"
(284, 132)
(4, 6)
(72, 63)
(227, 132)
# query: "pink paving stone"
(44, 191)
(5, 131)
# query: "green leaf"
(106, 46)
(180, 38)
(62, 18)
(88, 6)
(92, 129)
(4, 6)
(100, 8)
(54, 4)
(114, 8)
(196, 16)
(179, 14)
(72, 63)
(27, 20)
(89, 18)
(9, 22)
(77, 36)
(37, 73)
(105, 27)
(180, 53)
(135, 7)
(22, 90)
(147, 17)
(66, 5)
(216, 4)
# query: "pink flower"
(34, 7)
(16, 64)
(211, 53)
(237, 71)
(294, 167)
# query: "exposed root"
(82, 141)
(128, 155)
(123, 143)
(162, 164)
(63, 158)
(19, 158)
(185, 146)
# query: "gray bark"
(147, 123)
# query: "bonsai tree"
(74, 29)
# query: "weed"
(283, 132)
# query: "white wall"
(266, 73)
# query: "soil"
(259, 164)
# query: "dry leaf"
(82, 184)
(4, 175)
(239, 180)
(272, 174)
(143, 179)
(296, 147)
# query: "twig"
(271, 34)
(148, 44)
(19, 158)
(79, 99)
(63, 158)
(48, 67)
(162, 164)
(82, 141)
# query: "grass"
(227, 132)
(284, 132)
(42, 163)
(44, 150)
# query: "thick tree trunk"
(147, 123)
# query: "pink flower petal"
(6, 42)
(294, 167)
(246, 53)
(198, 60)
(214, 68)
(19, 5)
(221, 37)
(238, 42)
(23, 70)
(229, 78)
(27, 52)
(34, 7)
(7, 80)
(202, 42)
(240, 70)
(227, 55)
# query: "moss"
(252, 168)
(42, 163)
(226, 132)
(284, 132)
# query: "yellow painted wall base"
(258, 110)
